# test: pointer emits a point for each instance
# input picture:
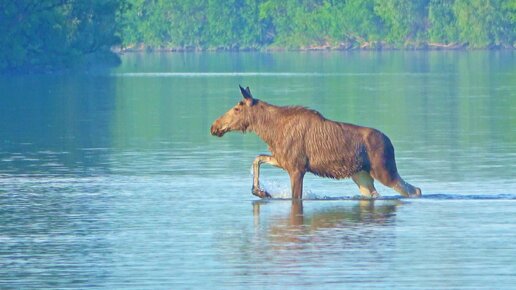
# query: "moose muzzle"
(217, 131)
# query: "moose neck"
(265, 123)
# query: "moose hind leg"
(406, 189)
(260, 159)
(365, 184)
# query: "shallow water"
(110, 179)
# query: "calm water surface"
(110, 179)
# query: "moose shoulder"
(302, 140)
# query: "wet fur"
(302, 140)
(329, 149)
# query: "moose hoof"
(371, 196)
(261, 193)
(416, 194)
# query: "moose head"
(237, 118)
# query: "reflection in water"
(55, 124)
(364, 211)
(299, 226)
(317, 242)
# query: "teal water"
(110, 178)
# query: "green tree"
(240, 26)
(194, 23)
(443, 23)
(283, 21)
(55, 33)
(406, 20)
(484, 23)
(358, 21)
(146, 21)
(232, 24)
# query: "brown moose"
(302, 140)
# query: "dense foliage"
(42, 35)
(50, 33)
(231, 24)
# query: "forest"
(60, 33)
(43, 35)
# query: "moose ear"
(248, 98)
(246, 93)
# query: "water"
(110, 179)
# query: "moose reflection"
(356, 224)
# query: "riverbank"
(343, 46)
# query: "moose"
(301, 140)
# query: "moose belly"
(335, 168)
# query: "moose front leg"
(260, 159)
(296, 182)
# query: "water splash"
(277, 190)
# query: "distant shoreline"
(324, 47)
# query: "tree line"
(49, 33)
(294, 24)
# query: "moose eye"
(236, 109)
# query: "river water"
(110, 178)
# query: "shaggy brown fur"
(302, 140)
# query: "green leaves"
(192, 23)
(205, 24)
(484, 23)
(44, 35)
